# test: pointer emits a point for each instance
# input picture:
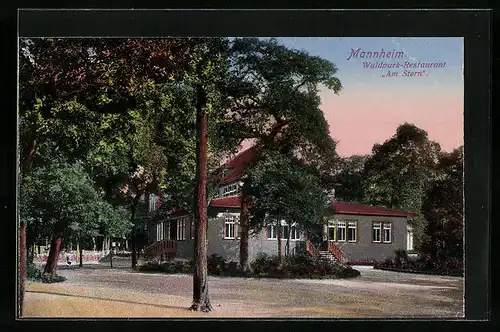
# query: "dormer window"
(230, 190)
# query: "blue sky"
(352, 73)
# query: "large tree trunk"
(55, 247)
(201, 300)
(134, 248)
(279, 240)
(80, 249)
(133, 240)
(25, 167)
(30, 245)
(244, 230)
(22, 266)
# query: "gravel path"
(98, 291)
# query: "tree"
(399, 172)
(61, 80)
(113, 221)
(69, 88)
(443, 209)
(62, 195)
(208, 74)
(281, 187)
(351, 178)
(273, 98)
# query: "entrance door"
(173, 229)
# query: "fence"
(88, 257)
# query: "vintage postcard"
(287, 177)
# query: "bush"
(216, 264)
(150, 266)
(300, 266)
(263, 264)
(35, 274)
(400, 258)
(232, 269)
(389, 262)
(123, 254)
(167, 267)
(424, 264)
(450, 266)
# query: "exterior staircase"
(327, 256)
(333, 254)
(161, 250)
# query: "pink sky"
(369, 108)
(361, 117)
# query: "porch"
(161, 250)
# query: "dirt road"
(97, 291)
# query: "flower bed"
(423, 265)
(264, 266)
(407, 270)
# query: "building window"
(294, 235)
(230, 190)
(153, 203)
(229, 227)
(159, 231)
(167, 233)
(409, 239)
(351, 231)
(271, 232)
(331, 231)
(284, 232)
(376, 232)
(181, 229)
(192, 228)
(341, 230)
(387, 232)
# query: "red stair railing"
(336, 252)
(311, 249)
(159, 248)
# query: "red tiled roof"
(338, 207)
(357, 208)
(226, 202)
(236, 166)
(177, 212)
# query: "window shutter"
(268, 231)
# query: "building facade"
(360, 232)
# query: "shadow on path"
(112, 300)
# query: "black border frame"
(474, 25)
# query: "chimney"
(332, 195)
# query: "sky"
(370, 106)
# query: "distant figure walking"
(68, 261)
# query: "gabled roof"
(236, 166)
(340, 207)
